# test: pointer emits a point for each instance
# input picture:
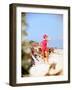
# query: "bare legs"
(45, 56)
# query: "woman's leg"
(46, 56)
(42, 54)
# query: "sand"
(41, 68)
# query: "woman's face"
(46, 38)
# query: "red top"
(44, 44)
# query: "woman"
(44, 48)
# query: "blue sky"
(50, 24)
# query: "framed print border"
(13, 43)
